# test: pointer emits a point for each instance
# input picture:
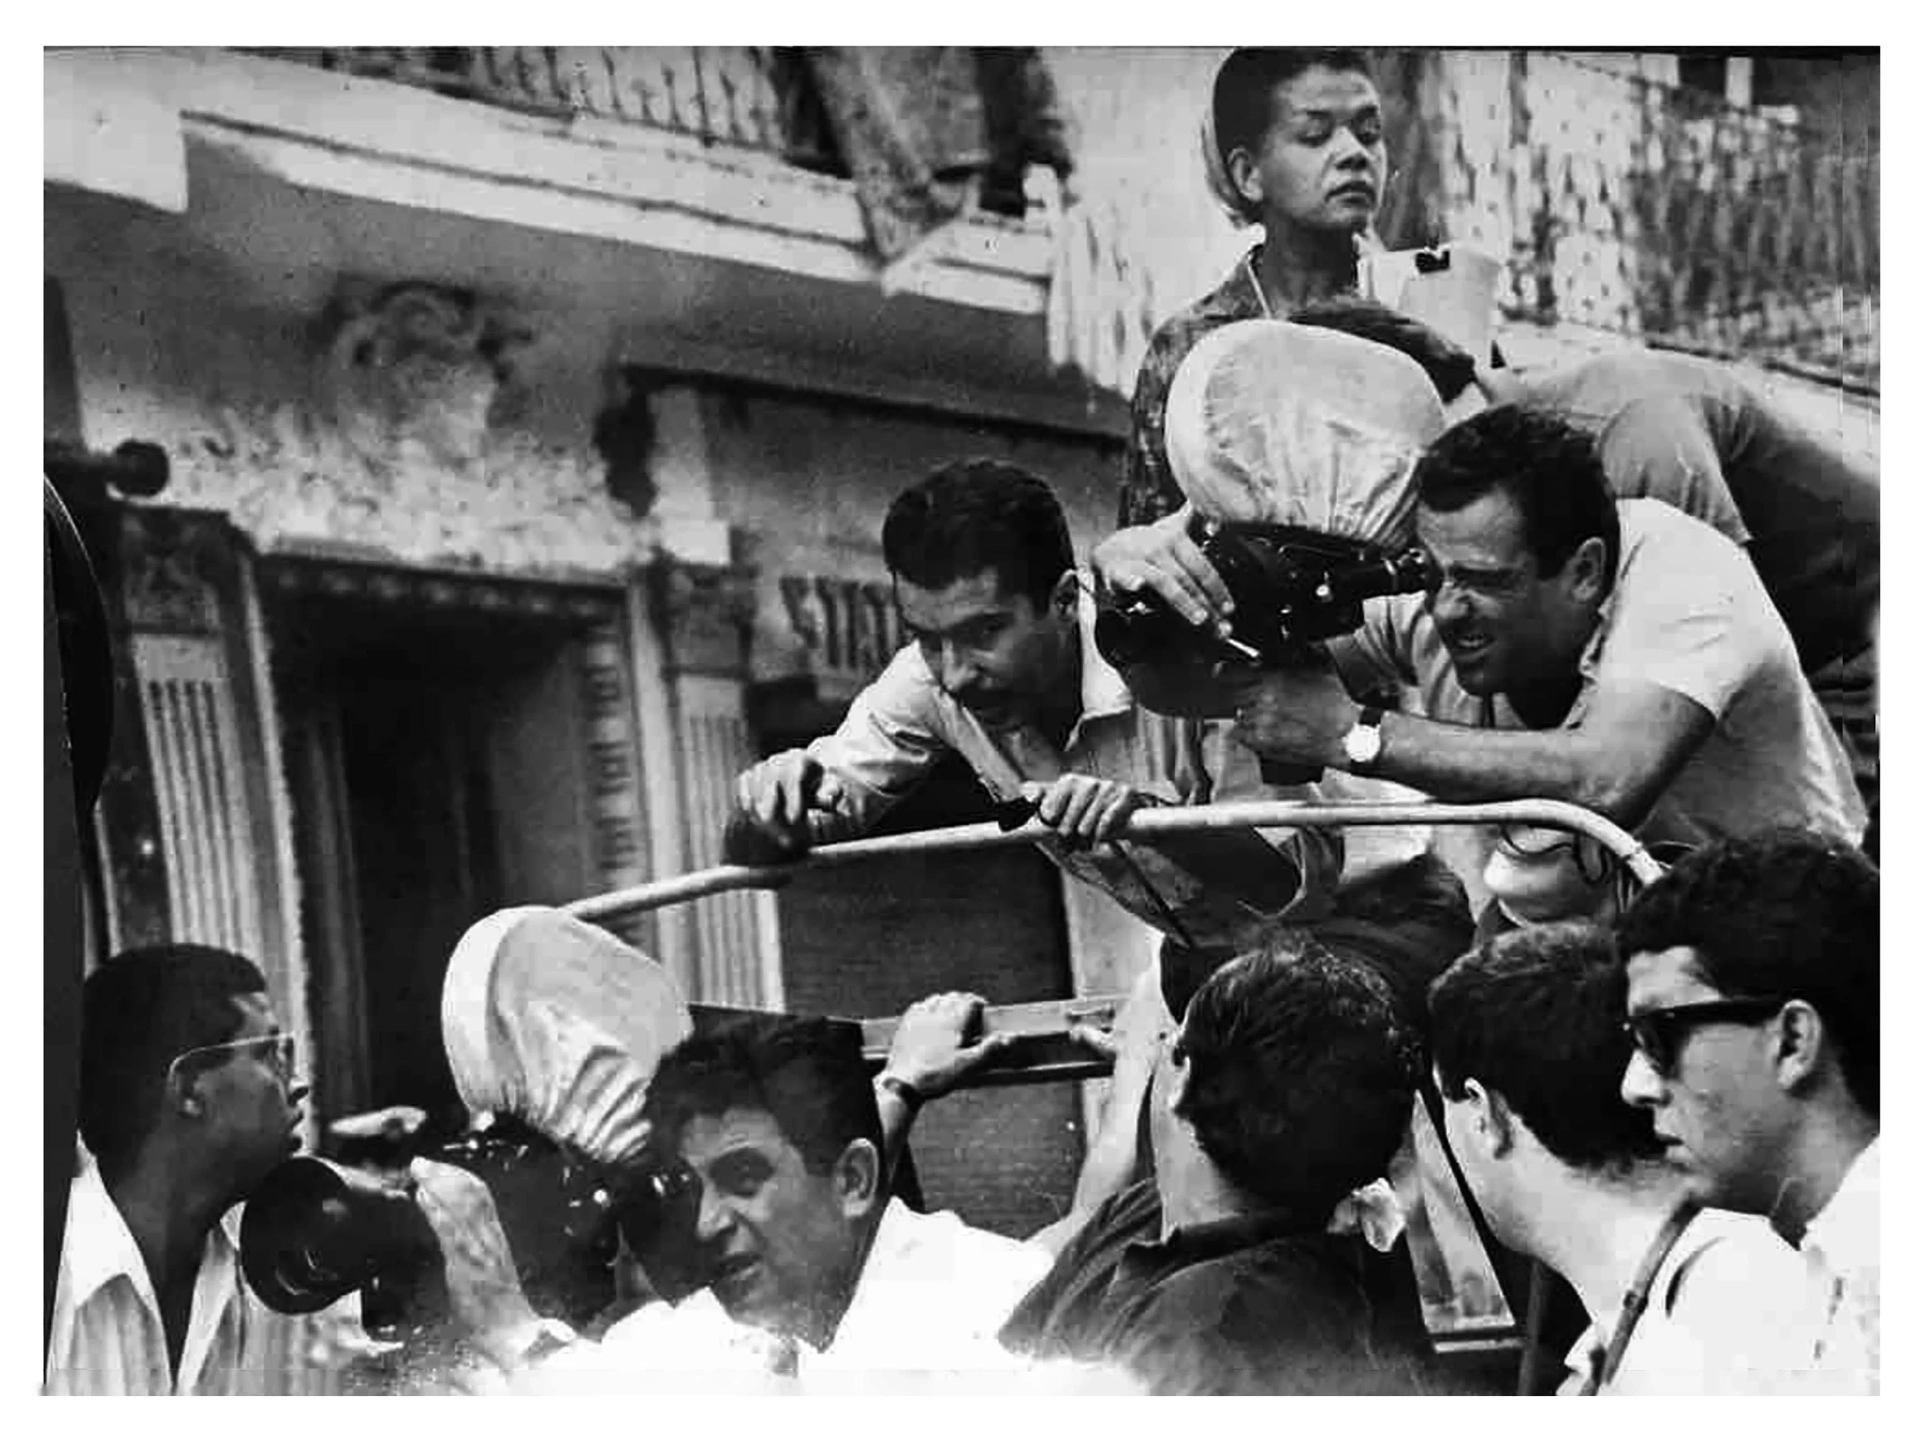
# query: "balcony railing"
(1666, 214)
(752, 97)
(1654, 211)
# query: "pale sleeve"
(1660, 449)
(890, 739)
(1688, 622)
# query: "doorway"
(438, 760)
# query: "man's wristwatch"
(1362, 742)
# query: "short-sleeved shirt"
(901, 724)
(1699, 436)
(1724, 1316)
(1686, 613)
(1243, 1306)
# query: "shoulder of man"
(1285, 1317)
(1658, 529)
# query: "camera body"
(316, 1231)
(1292, 587)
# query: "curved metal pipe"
(1536, 812)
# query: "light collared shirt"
(1724, 1316)
(107, 1335)
(902, 723)
(1841, 1250)
(931, 1298)
(1686, 613)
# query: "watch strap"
(903, 1090)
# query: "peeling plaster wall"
(167, 349)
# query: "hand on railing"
(940, 1041)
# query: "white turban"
(1280, 423)
(559, 1023)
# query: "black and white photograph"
(896, 720)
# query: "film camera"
(316, 1231)
(1292, 588)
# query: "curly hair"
(1545, 464)
(138, 1012)
(808, 1074)
(1534, 1015)
(976, 516)
(1301, 1073)
(1787, 911)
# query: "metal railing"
(1147, 824)
(751, 97)
(1669, 215)
(1462, 1326)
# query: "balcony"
(1667, 215)
(749, 97)
(1633, 208)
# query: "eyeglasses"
(1659, 1032)
(279, 1053)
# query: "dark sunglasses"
(1659, 1032)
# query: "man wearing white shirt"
(1528, 1047)
(816, 1271)
(1753, 972)
(187, 1098)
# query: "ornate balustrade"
(748, 96)
(1665, 213)
(1619, 202)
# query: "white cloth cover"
(1281, 423)
(559, 1023)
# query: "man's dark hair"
(1448, 367)
(1785, 912)
(976, 516)
(1243, 89)
(1534, 1015)
(138, 1012)
(808, 1074)
(1301, 1073)
(1547, 466)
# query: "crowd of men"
(1642, 580)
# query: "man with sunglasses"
(1753, 982)
(188, 1098)
(1527, 1047)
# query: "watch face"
(1362, 743)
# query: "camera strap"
(1638, 1295)
(1012, 813)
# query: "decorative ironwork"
(1666, 214)
(748, 96)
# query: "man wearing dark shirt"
(1284, 1090)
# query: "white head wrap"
(1282, 423)
(559, 1023)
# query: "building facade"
(531, 414)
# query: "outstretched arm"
(1633, 738)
